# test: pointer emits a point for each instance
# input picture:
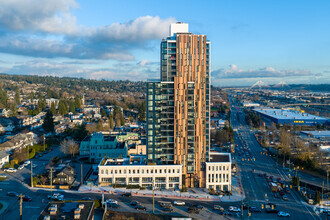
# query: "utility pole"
(81, 171)
(31, 174)
(51, 182)
(322, 190)
(44, 143)
(153, 195)
(20, 207)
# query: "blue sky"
(271, 41)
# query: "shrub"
(98, 203)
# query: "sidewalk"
(195, 194)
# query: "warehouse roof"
(288, 114)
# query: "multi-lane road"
(257, 162)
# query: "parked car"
(34, 166)
(234, 209)
(10, 170)
(180, 203)
(21, 167)
(285, 198)
(283, 214)
(12, 194)
(127, 194)
(140, 207)
(27, 163)
(2, 175)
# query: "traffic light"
(298, 188)
(290, 186)
(262, 206)
(272, 206)
(249, 213)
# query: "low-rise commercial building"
(218, 171)
(97, 146)
(126, 172)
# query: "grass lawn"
(2, 179)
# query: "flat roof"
(220, 157)
(317, 133)
(288, 114)
(67, 209)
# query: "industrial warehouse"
(280, 116)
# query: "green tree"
(48, 124)
(72, 107)
(62, 107)
(53, 108)
(17, 96)
(142, 111)
(103, 112)
(41, 103)
(111, 122)
(3, 97)
(77, 102)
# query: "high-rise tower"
(178, 108)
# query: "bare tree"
(69, 147)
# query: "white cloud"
(233, 72)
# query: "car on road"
(34, 166)
(56, 197)
(200, 207)
(113, 205)
(26, 163)
(285, 198)
(134, 203)
(167, 209)
(21, 167)
(217, 207)
(87, 198)
(127, 194)
(2, 175)
(26, 198)
(140, 207)
(193, 210)
(109, 201)
(254, 209)
(12, 194)
(283, 214)
(269, 210)
(10, 170)
(180, 203)
(234, 209)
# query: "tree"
(111, 122)
(77, 102)
(103, 112)
(17, 96)
(72, 107)
(69, 147)
(48, 124)
(41, 103)
(99, 125)
(3, 97)
(53, 108)
(142, 111)
(62, 107)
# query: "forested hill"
(69, 82)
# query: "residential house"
(4, 158)
(65, 176)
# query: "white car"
(10, 170)
(2, 175)
(34, 165)
(27, 162)
(283, 214)
(111, 201)
(181, 203)
(234, 209)
(21, 167)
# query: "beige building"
(124, 172)
(218, 171)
